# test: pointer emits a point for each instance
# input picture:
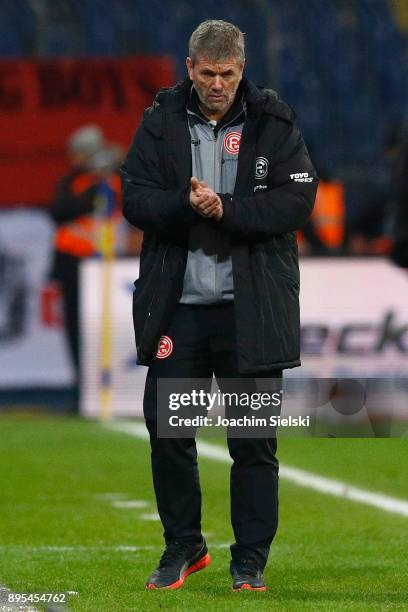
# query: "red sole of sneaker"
(248, 587)
(196, 567)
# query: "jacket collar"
(237, 109)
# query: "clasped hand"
(204, 200)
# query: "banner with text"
(43, 101)
(354, 325)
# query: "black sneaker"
(246, 575)
(179, 560)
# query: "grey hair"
(216, 39)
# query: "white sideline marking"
(297, 476)
(110, 496)
(153, 516)
(75, 549)
(130, 503)
(79, 548)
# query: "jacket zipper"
(161, 272)
(149, 313)
(214, 184)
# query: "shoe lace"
(174, 551)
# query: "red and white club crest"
(232, 141)
(165, 347)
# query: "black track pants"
(203, 344)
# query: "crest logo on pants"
(261, 167)
(232, 142)
(165, 347)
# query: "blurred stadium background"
(77, 504)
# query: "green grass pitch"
(60, 531)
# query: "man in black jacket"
(219, 179)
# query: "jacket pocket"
(140, 303)
(281, 261)
(277, 282)
(148, 305)
(281, 242)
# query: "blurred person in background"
(323, 233)
(76, 210)
(218, 286)
(13, 295)
(371, 203)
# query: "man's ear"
(190, 67)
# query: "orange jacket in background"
(329, 213)
(80, 236)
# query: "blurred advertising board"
(33, 352)
(354, 314)
(43, 101)
(354, 325)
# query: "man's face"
(216, 83)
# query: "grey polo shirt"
(214, 152)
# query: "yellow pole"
(106, 321)
(107, 250)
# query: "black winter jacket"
(274, 196)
